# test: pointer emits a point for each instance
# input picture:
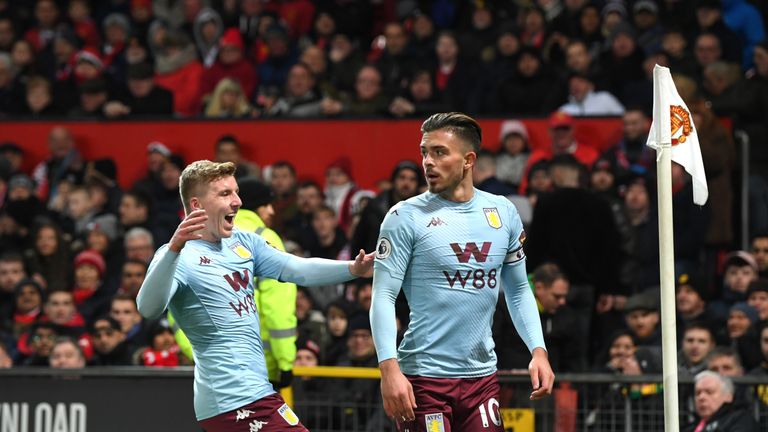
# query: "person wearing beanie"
(741, 333)
(740, 270)
(407, 180)
(275, 300)
(90, 297)
(231, 63)
(514, 151)
(691, 297)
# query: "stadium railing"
(335, 400)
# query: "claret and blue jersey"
(449, 257)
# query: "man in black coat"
(715, 409)
(143, 97)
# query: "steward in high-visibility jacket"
(275, 300)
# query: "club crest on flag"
(240, 250)
(680, 120)
(492, 216)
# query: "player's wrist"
(389, 366)
(540, 352)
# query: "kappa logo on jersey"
(434, 422)
(240, 250)
(384, 250)
(256, 425)
(288, 415)
(243, 414)
(436, 221)
(470, 249)
(204, 260)
(492, 216)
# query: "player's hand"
(397, 392)
(362, 266)
(285, 380)
(542, 377)
(188, 230)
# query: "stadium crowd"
(75, 245)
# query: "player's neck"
(463, 192)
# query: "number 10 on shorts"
(490, 410)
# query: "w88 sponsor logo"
(477, 278)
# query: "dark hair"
(547, 274)
(725, 351)
(700, 325)
(284, 164)
(458, 123)
(12, 257)
(141, 198)
(309, 184)
(135, 261)
(227, 139)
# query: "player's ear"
(469, 160)
(194, 203)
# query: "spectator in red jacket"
(46, 15)
(179, 71)
(230, 64)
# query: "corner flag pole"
(661, 114)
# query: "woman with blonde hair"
(228, 101)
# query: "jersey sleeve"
(515, 252)
(268, 260)
(160, 284)
(395, 243)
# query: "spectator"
(228, 149)
(691, 300)
(583, 100)
(300, 97)
(760, 253)
(123, 310)
(116, 28)
(419, 99)
(626, 358)
(40, 343)
(63, 160)
(79, 211)
(340, 189)
(645, 15)
(228, 101)
(273, 71)
(514, 151)
(331, 242)
(109, 343)
(39, 99)
(707, 50)
(550, 287)
(230, 64)
(709, 19)
(396, 61)
(484, 175)
(368, 98)
(757, 297)
(144, 97)
(8, 92)
(178, 70)
(337, 313)
(309, 198)
(622, 64)
(714, 405)
(131, 277)
(310, 319)
(79, 13)
(139, 245)
(317, 61)
(11, 274)
(93, 98)
(49, 260)
(725, 362)
(529, 91)
(742, 337)
(208, 30)
(452, 73)
(740, 271)
(407, 178)
(745, 20)
(345, 61)
(642, 317)
(66, 354)
(676, 46)
(698, 343)
(28, 306)
(46, 17)
(157, 156)
(6, 362)
(282, 180)
(7, 33)
(167, 204)
(162, 350)
(90, 293)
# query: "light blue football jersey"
(449, 257)
(213, 304)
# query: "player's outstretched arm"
(396, 391)
(525, 315)
(319, 271)
(159, 285)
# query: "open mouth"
(230, 218)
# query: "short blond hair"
(200, 173)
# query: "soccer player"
(205, 277)
(451, 249)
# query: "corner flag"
(672, 116)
